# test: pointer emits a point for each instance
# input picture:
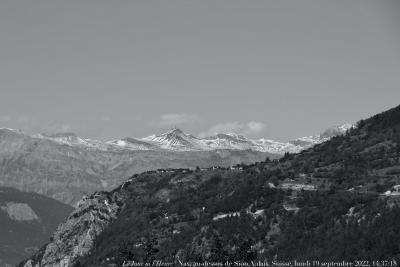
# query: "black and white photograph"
(200, 133)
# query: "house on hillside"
(395, 191)
(297, 186)
(290, 207)
(303, 175)
(237, 167)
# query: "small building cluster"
(298, 186)
(395, 191)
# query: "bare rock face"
(75, 237)
(19, 212)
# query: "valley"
(66, 167)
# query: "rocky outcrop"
(75, 237)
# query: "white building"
(395, 191)
(298, 186)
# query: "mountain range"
(177, 140)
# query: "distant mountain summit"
(338, 130)
(309, 141)
(175, 139)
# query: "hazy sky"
(274, 69)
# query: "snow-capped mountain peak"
(308, 141)
(337, 130)
(345, 127)
(175, 139)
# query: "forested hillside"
(27, 220)
(367, 157)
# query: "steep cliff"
(75, 237)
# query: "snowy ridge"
(132, 144)
(324, 136)
(72, 139)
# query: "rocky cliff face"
(75, 237)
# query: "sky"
(271, 69)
